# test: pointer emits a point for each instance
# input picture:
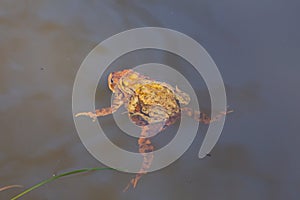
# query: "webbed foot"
(92, 115)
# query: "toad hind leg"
(203, 117)
(146, 149)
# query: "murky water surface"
(255, 44)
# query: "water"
(255, 45)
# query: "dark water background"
(256, 46)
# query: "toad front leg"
(116, 104)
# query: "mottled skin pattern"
(152, 105)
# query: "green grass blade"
(57, 177)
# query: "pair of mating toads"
(151, 104)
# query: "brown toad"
(151, 104)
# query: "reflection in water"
(254, 46)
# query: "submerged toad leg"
(202, 117)
(116, 104)
(146, 149)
